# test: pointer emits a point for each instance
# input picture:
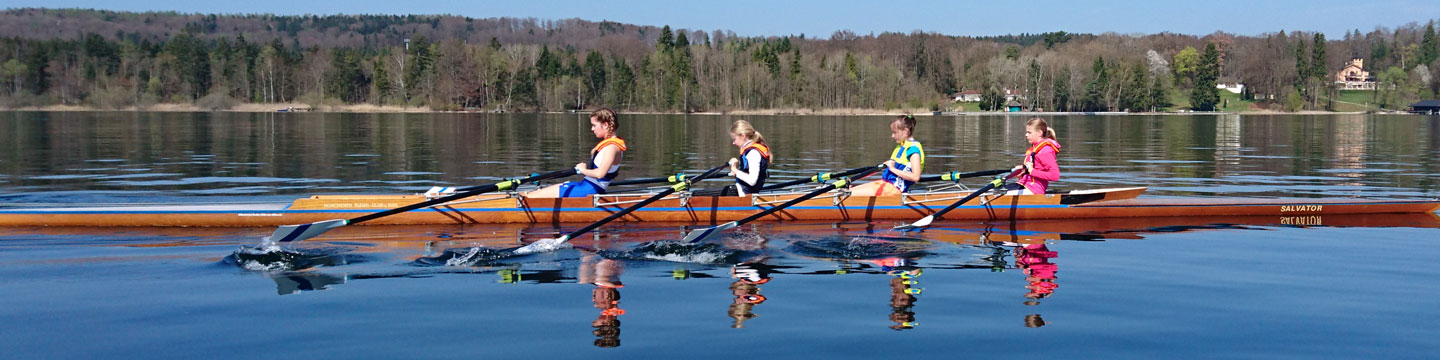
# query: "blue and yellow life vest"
(614, 169)
(745, 166)
(901, 156)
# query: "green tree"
(1061, 88)
(1135, 95)
(382, 87)
(345, 80)
(1186, 62)
(192, 63)
(1429, 47)
(1095, 90)
(595, 75)
(1205, 95)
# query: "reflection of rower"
(902, 291)
(1034, 261)
(605, 274)
(746, 288)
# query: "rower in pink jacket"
(1039, 167)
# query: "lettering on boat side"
(258, 214)
(1301, 220)
(1301, 208)
(363, 205)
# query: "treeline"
(120, 60)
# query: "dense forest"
(116, 60)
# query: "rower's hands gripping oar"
(701, 234)
(818, 178)
(925, 221)
(289, 233)
(552, 244)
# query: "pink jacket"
(1046, 169)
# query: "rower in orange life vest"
(753, 166)
(604, 162)
(1039, 167)
(906, 162)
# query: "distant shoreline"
(385, 109)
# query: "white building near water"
(1231, 86)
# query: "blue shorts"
(579, 188)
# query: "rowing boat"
(513, 208)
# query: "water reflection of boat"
(512, 208)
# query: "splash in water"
(544, 245)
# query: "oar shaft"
(507, 184)
(677, 187)
(967, 198)
(807, 196)
(819, 178)
(953, 176)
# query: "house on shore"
(1230, 84)
(1354, 76)
(1014, 106)
(968, 96)
(1429, 107)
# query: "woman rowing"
(604, 162)
(1039, 167)
(905, 164)
(751, 168)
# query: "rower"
(906, 162)
(1039, 167)
(753, 166)
(604, 162)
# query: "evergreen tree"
(1429, 47)
(1205, 95)
(1061, 89)
(1134, 96)
(1095, 90)
(595, 80)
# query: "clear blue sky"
(821, 18)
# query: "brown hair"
(1045, 130)
(607, 117)
(907, 122)
(744, 128)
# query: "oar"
(956, 176)
(670, 179)
(925, 221)
(700, 234)
(819, 178)
(550, 244)
(290, 233)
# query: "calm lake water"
(1337, 287)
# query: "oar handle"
(818, 178)
(823, 189)
(680, 185)
(956, 176)
(471, 191)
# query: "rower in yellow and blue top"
(906, 162)
(604, 164)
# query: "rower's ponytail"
(1045, 130)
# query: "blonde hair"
(607, 117)
(743, 128)
(1045, 130)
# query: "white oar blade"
(289, 233)
(543, 245)
(923, 222)
(701, 234)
